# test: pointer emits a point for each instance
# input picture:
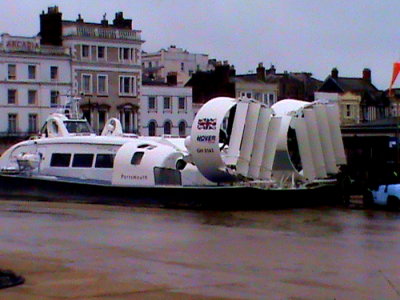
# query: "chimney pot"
(172, 78)
(261, 72)
(335, 73)
(367, 75)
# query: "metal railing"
(105, 33)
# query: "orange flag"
(396, 71)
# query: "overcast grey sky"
(294, 35)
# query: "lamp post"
(89, 115)
(90, 110)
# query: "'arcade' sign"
(21, 44)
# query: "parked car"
(384, 195)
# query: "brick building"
(358, 99)
(210, 84)
(106, 65)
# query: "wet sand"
(80, 251)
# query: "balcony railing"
(105, 33)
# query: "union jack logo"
(207, 124)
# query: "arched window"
(167, 127)
(182, 128)
(152, 128)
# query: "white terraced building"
(33, 80)
(166, 110)
(158, 65)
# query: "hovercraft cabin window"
(60, 160)
(82, 160)
(104, 161)
(137, 158)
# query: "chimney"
(261, 72)
(79, 20)
(172, 78)
(285, 74)
(120, 22)
(335, 73)
(51, 27)
(232, 71)
(104, 21)
(271, 70)
(367, 75)
(53, 10)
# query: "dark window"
(85, 51)
(104, 161)
(348, 110)
(86, 115)
(32, 122)
(60, 160)
(31, 72)
(53, 72)
(53, 98)
(78, 126)
(12, 97)
(152, 128)
(181, 103)
(102, 84)
(152, 102)
(12, 123)
(167, 127)
(12, 72)
(127, 85)
(164, 176)
(125, 53)
(32, 95)
(101, 52)
(82, 160)
(102, 118)
(167, 103)
(137, 158)
(182, 129)
(127, 122)
(144, 146)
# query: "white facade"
(33, 81)
(331, 97)
(166, 110)
(174, 60)
(349, 106)
(263, 92)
